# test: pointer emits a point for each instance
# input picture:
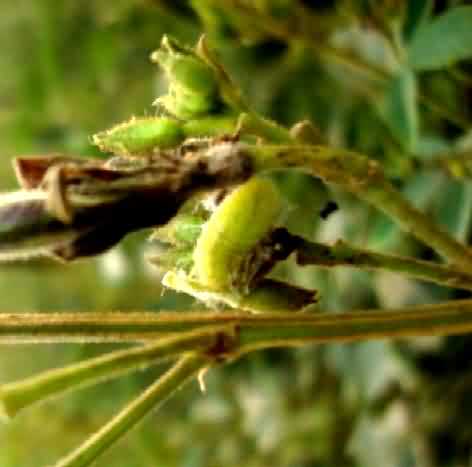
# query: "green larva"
(239, 223)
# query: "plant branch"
(365, 178)
(343, 254)
(454, 317)
(78, 207)
(428, 320)
(16, 396)
(183, 371)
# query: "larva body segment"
(239, 223)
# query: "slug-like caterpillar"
(236, 227)
(233, 248)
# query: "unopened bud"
(193, 85)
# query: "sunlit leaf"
(444, 41)
(399, 109)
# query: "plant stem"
(453, 317)
(429, 320)
(186, 368)
(363, 177)
(413, 221)
(456, 164)
(216, 125)
(81, 328)
(343, 254)
(16, 396)
(256, 332)
(271, 131)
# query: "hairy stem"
(343, 254)
(413, 221)
(454, 317)
(153, 396)
(429, 320)
(16, 396)
(363, 177)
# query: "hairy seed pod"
(140, 136)
(239, 223)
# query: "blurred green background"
(71, 68)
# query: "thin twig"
(343, 254)
(19, 394)
(183, 371)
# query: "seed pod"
(140, 136)
(239, 223)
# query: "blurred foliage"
(375, 77)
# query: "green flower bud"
(185, 69)
(140, 136)
(193, 85)
(186, 105)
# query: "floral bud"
(193, 85)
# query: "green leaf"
(453, 209)
(444, 41)
(399, 109)
(384, 235)
(417, 14)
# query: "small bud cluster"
(193, 87)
